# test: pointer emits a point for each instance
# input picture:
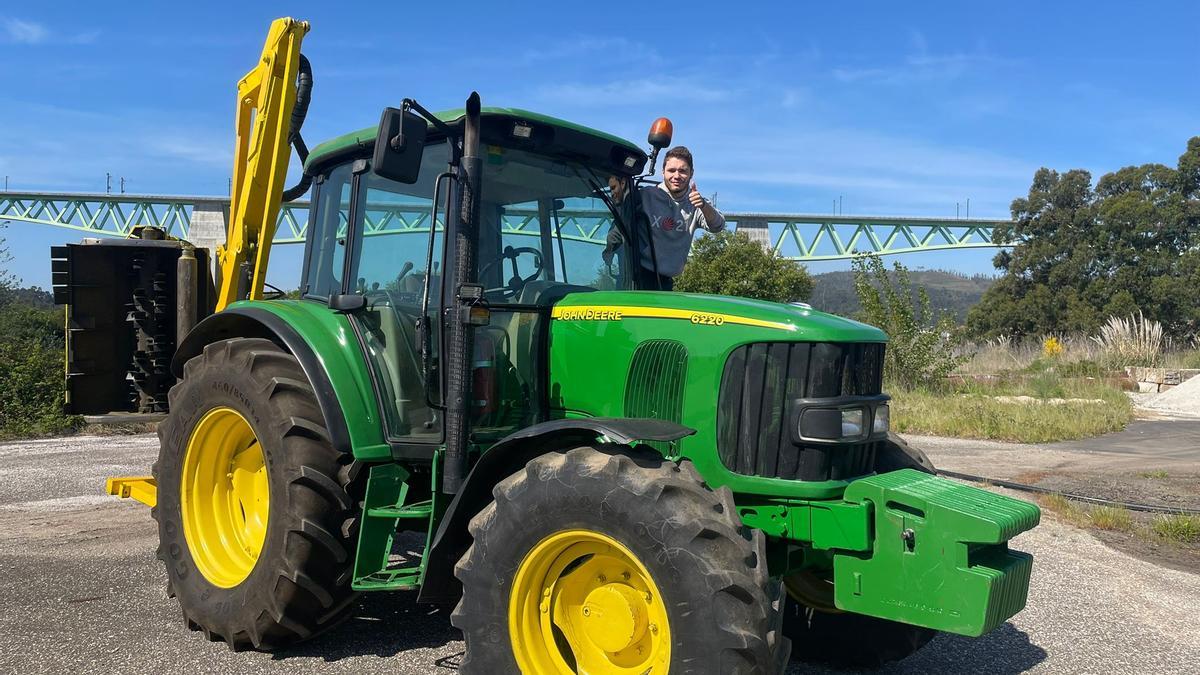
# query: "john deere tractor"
(598, 477)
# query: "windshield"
(543, 222)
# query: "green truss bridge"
(202, 220)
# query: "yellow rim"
(583, 602)
(224, 497)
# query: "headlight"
(847, 419)
(852, 424)
(832, 424)
(882, 419)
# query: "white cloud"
(609, 50)
(806, 162)
(212, 152)
(635, 92)
(23, 32)
(919, 65)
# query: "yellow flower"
(1051, 347)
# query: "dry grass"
(1111, 518)
(971, 411)
(1065, 509)
(1180, 528)
(118, 429)
(1159, 473)
(1131, 341)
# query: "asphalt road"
(82, 592)
(1169, 439)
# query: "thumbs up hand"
(695, 198)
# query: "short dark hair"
(680, 152)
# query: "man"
(676, 211)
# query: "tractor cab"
(377, 244)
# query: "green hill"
(952, 292)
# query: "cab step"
(384, 507)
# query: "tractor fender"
(503, 459)
(253, 322)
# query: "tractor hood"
(773, 321)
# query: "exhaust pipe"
(461, 335)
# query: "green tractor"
(601, 478)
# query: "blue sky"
(900, 108)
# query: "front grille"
(760, 382)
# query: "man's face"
(677, 175)
(616, 188)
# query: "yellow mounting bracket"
(266, 96)
(141, 488)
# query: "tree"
(6, 279)
(921, 344)
(31, 360)
(1084, 253)
(730, 263)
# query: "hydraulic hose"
(1132, 506)
(304, 85)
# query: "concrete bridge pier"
(209, 223)
(756, 229)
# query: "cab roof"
(364, 139)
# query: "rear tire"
(285, 577)
(611, 509)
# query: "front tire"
(253, 512)
(606, 559)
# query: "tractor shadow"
(386, 625)
(1004, 651)
(391, 624)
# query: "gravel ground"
(84, 594)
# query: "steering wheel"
(514, 285)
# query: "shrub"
(921, 346)
(31, 372)
(730, 263)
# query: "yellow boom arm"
(266, 96)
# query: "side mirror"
(345, 303)
(399, 145)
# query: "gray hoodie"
(673, 223)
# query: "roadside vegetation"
(1102, 279)
(997, 411)
(1028, 396)
(31, 361)
(1179, 529)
